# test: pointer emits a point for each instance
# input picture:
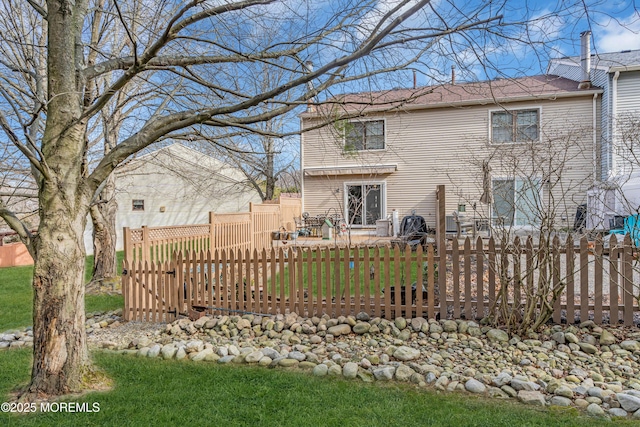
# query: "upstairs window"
(515, 126)
(367, 135)
(137, 204)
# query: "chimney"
(585, 59)
(308, 67)
(415, 79)
(453, 74)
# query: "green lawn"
(16, 296)
(157, 392)
(353, 273)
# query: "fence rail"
(471, 281)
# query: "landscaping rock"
(594, 409)
(406, 353)
(497, 335)
(384, 373)
(628, 402)
(343, 329)
(475, 386)
(531, 398)
(350, 370)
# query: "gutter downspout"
(595, 140)
(613, 124)
(301, 170)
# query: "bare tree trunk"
(270, 190)
(60, 356)
(103, 217)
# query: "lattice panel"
(136, 235)
(174, 232)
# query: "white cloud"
(617, 35)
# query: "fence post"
(211, 230)
(441, 221)
(146, 245)
(252, 218)
(627, 281)
(128, 250)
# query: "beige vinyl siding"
(446, 146)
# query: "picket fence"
(600, 282)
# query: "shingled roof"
(487, 92)
(625, 58)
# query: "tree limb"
(38, 8)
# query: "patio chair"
(413, 232)
(462, 224)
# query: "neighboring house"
(618, 74)
(530, 142)
(175, 185)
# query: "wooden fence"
(597, 283)
(234, 231)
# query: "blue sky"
(615, 26)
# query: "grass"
(157, 392)
(347, 273)
(16, 296)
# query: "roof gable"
(182, 158)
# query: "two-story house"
(515, 151)
(618, 74)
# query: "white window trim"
(368, 119)
(133, 205)
(345, 201)
(495, 110)
(541, 195)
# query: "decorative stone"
(404, 373)
(202, 354)
(337, 330)
(588, 348)
(571, 338)
(607, 338)
(350, 370)
(335, 371)
(628, 402)
(497, 335)
(154, 351)
(406, 353)
(384, 373)
(519, 385)
(450, 326)
(563, 391)
(288, 363)
(594, 409)
(618, 412)
(560, 401)
(320, 370)
(475, 386)
(168, 351)
(531, 398)
(361, 328)
(630, 345)
(254, 357)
